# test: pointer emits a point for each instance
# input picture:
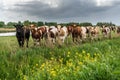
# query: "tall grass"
(97, 60)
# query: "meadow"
(95, 60)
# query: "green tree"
(51, 23)
(63, 24)
(10, 24)
(33, 22)
(26, 23)
(99, 24)
(2, 24)
(71, 23)
(40, 23)
(105, 24)
(85, 24)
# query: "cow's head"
(19, 28)
(32, 26)
(59, 27)
(70, 29)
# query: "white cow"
(62, 33)
(84, 32)
(106, 31)
(53, 33)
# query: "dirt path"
(7, 29)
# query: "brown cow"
(70, 30)
(76, 32)
(36, 34)
(44, 30)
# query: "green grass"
(96, 60)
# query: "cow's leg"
(80, 38)
(34, 40)
(76, 39)
(22, 44)
(73, 37)
(19, 42)
(63, 39)
(27, 39)
(53, 40)
(27, 42)
(39, 41)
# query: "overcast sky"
(61, 10)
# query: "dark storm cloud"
(65, 9)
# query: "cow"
(76, 32)
(44, 30)
(22, 34)
(62, 32)
(118, 30)
(52, 33)
(94, 32)
(36, 34)
(84, 32)
(70, 30)
(113, 28)
(106, 31)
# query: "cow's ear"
(22, 25)
(14, 25)
(33, 30)
(56, 26)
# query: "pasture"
(95, 60)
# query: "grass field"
(96, 60)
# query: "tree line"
(41, 23)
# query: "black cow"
(22, 34)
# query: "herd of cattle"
(54, 33)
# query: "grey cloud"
(66, 9)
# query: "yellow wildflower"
(83, 51)
(76, 53)
(95, 54)
(69, 64)
(36, 65)
(42, 66)
(61, 60)
(80, 55)
(24, 77)
(88, 54)
(53, 73)
(70, 60)
(68, 55)
(32, 71)
(52, 58)
(92, 60)
(68, 52)
(80, 63)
